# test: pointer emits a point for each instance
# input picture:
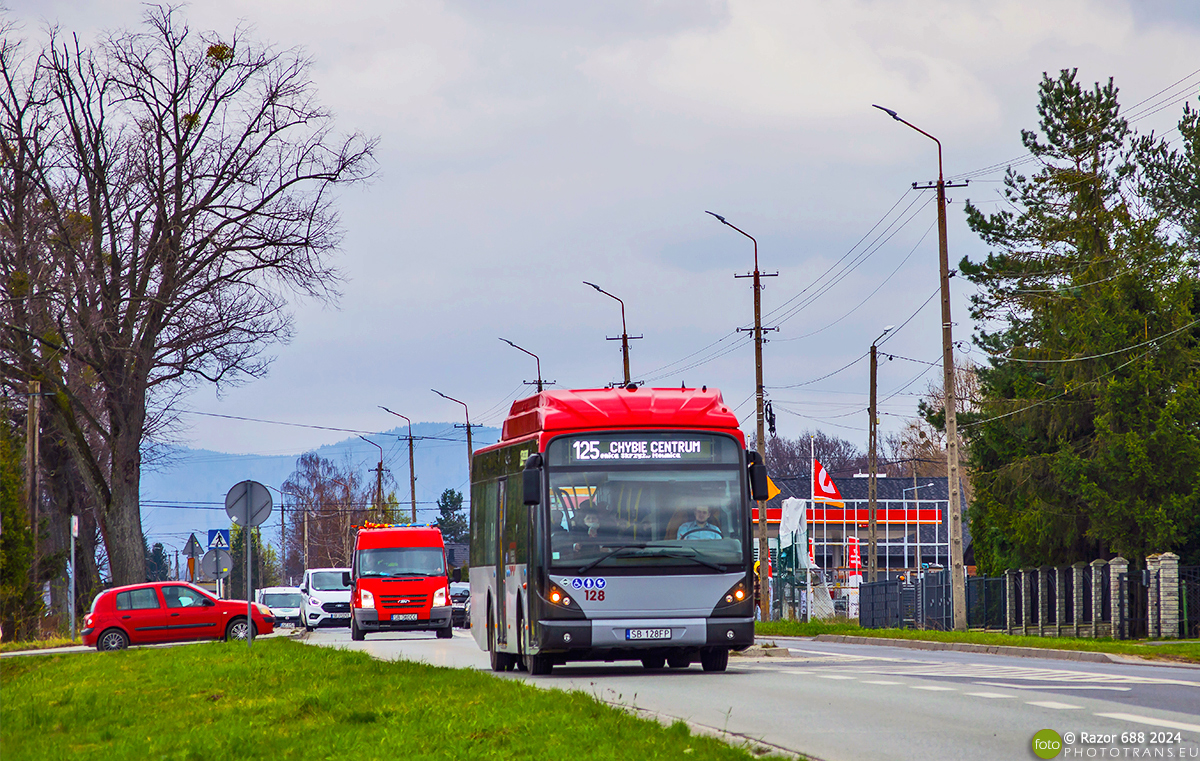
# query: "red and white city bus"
(614, 524)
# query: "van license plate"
(339, 615)
(631, 634)
(404, 616)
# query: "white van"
(284, 603)
(325, 598)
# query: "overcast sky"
(528, 146)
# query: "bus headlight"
(366, 599)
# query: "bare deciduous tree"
(186, 183)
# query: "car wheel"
(356, 634)
(237, 630)
(714, 658)
(654, 662)
(679, 660)
(113, 639)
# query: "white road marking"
(932, 687)
(1057, 686)
(834, 676)
(879, 681)
(1052, 704)
(990, 695)
(1152, 721)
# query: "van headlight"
(439, 597)
(366, 599)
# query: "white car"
(284, 603)
(325, 598)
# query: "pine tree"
(451, 520)
(1086, 441)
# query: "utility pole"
(764, 551)
(32, 487)
(378, 470)
(958, 577)
(412, 473)
(625, 337)
(872, 436)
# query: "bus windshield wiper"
(675, 551)
(610, 553)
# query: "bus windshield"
(622, 516)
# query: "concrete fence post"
(1010, 600)
(1043, 575)
(1153, 612)
(1077, 611)
(1060, 602)
(1098, 599)
(1028, 614)
(1120, 624)
(1168, 584)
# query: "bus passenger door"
(501, 566)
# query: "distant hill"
(186, 493)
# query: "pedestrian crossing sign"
(218, 538)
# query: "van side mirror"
(345, 578)
(456, 576)
(758, 477)
(531, 480)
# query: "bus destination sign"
(643, 448)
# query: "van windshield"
(328, 581)
(401, 561)
(281, 600)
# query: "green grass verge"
(287, 700)
(1185, 651)
(39, 644)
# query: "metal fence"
(1189, 601)
(929, 603)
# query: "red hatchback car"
(167, 611)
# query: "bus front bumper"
(647, 633)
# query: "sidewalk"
(1011, 651)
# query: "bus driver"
(699, 528)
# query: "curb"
(756, 746)
(1009, 650)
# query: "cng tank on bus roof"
(609, 408)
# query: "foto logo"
(1047, 744)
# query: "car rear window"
(137, 599)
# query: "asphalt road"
(842, 702)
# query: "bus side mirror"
(457, 575)
(758, 477)
(345, 578)
(531, 480)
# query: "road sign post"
(248, 504)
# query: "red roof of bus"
(614, 408)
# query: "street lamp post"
(470, 451)
(412, 472)
(764, 553)
(958, 577)
(872, 435)
(539, 361)
(624, 333)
